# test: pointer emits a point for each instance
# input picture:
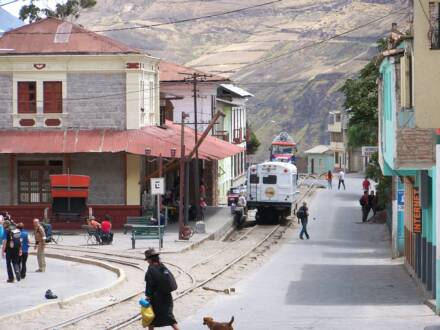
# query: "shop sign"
(417, 212)
(401, 200)
(367, 151)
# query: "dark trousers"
(304, 229)
(365, 212)
(13, 264)
(23, 260)
(341, 182)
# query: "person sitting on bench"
(106, 230)
(96, 227)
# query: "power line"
(327, 39)
(8, 3)
(156, 24)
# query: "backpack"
(165, 280)
(48, 232)
(14, 237)
(363, 201)
(300, 213)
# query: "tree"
(252, 143)
(71, 8)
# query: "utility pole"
(182, 178)
(194, 79)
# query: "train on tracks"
(272, 190)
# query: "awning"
(159, 140)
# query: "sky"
(14, 8)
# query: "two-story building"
(214, 93)
(407, 116)
(73, 101)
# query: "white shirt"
(341, 175)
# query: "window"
(434, 15)
(335, 137)
(253, 178)
(27, 97)
(337, 157)
(270, 179)
(53, 97)
(33, 180)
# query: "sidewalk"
(218, 221)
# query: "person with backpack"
(24, 236)
(11, 249)
(160, 283)
(303, 215)
(40, 244)
(365, 204)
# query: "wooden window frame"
(38, 187)
(26, 97)
(58, 98)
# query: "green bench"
(143, 228)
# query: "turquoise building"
(320, 160)
(407, 154)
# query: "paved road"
(342, 278)
(64, 278)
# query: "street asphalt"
(342, 278)
(64, 278)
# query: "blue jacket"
(24, 241)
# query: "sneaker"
(10, 281)
(301, 238)
(38, 271)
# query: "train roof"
(288, 166)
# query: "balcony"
(337, 146)
(335, 127)
(238, 136)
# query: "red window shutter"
(53, 97)
(27, 97)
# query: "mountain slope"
(292, 92)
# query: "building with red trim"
(73, 101)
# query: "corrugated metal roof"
(158, 140)
(318, 150)
(54, 36)
(236, 90)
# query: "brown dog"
(212, 325)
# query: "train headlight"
(269, 192)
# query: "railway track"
(265, 233)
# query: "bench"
(91, 234)
(143, 228)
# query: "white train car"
(271, 190)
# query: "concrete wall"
(133, 179)
(106, 112)
(322, 163)
(5, 106)
(415, 147)
(107, 173)
(426, 70)
(4, 180)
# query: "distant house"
(320, 159)
(214, 93)
(8, 21)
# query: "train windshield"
(282, 149)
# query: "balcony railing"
(335, 127)
(222, 135)
(238, 135)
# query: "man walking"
(24, 236)
(341, 178)
(366, 184)
(303, 215)
(365, 204)
(372, 202)
(40, 244)
(11, 248)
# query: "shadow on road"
(352, 285)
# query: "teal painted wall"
(322, 163)
(388, 113)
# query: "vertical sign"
(401, 200)
(417, 212)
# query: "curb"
(65, 302)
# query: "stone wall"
(4, 180)
(96, 112)
(415, 147)
(5, 105)
(107, 175)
